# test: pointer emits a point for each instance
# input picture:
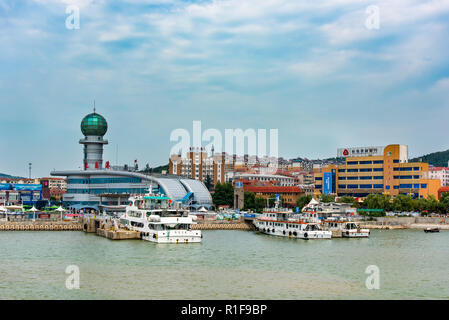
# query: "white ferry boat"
(348, 228)
(159, 220)
(283, 222)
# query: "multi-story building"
(277, 180)
(440, 173)
(53, 188)
(370, 170)
(20, 193)
(54, 183)
(289, 194)
(220, 167)
(19, 181)
(198, 165)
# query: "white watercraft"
(348, 228)
(160, 220)
(283, 222)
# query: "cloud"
(233, 63)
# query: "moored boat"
(283, 222)
(160, 220)
(347, 228)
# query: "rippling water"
(227, 265)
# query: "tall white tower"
(93, 127)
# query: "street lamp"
(29, 169)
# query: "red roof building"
(289, 194)
(441, 191)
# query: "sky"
(323, 73)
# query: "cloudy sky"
(319, 71)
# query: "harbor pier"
(108, 228)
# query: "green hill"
(437, 159)
(160, 168)
(7, 176)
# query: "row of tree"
(224, 195)
(402, 203)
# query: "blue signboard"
(5, 186)
(238, 184)
(327, 183)
(297, 209)
(28, 187)
(278, 197)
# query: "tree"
(303, 200)
(259, 203)
(444, 202)
(327, 198)
(223, 195)
(249, 202)
(208, 182)
(403, 203)
(347, 199)
(377, 201)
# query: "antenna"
(94, 105)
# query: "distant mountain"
(7, 176)
(437, 159)
(155, 169)
(160, 169)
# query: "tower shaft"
(93, 152)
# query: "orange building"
(371, 170)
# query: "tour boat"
(348, 228)
(283, 222)
(432, 230)
(160, 220)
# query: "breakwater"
(223, 225)
(392, 223)
(40, 226)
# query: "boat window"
(135, 214)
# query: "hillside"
(160, 168)
(7, 176)
(437, 159)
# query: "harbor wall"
(223, 225)
(407, 223)
(40, 226)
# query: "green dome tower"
(94, 124)
(93, 127)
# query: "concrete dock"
(106, 229)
